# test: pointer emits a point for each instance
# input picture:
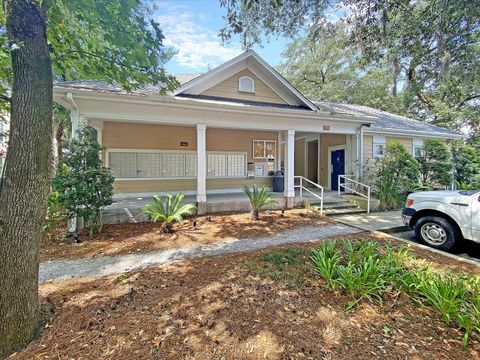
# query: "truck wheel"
(436, 232)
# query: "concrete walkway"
(108, 265)
(377, 221)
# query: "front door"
(338, 167)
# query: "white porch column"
(289, 161)
(278, 165)
(201, 169)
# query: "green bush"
(436, 164)
(83, 184)
(364, 271)
(168, 210)
(466, 160)
(395, 175)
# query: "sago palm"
(258, 198)
(168, 211)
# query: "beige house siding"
(215, 184)
(299, 157)
(139, 186)
(147, 136)
(236, 140)
(326, 141)
(164, 137)
(367, 147)
(229, 89)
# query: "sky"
(192, 27)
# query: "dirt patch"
(260, 305)
(200, 230)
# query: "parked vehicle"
(443, 218)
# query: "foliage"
(168, 210)
(435, 163)
(287, 265)
(430, 47)
(84, 185)
(327, 68)
(54, 213)
(466, 161)
(365, 271)
(394, 175)
(258, 199)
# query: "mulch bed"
(146, 236)
(230, 307)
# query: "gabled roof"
(252, 61)
(387, 122)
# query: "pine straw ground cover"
(147, 236)
(268, 304)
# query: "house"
(233, 125)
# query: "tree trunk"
(167, 227)
(25, 188)
(255, 214)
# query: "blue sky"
(192, 27)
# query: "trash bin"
(277, 181)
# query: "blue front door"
(338, 167)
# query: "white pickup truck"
(443, 218)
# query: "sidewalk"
(108, 265)
(378, 221)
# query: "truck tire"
(436, 232)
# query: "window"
(246, 84)
(378, 146)
(417, 148)
(226, 165)
(264, 149)
(152, 165)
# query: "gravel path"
(63, 269)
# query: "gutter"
(410, 133)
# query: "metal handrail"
(320, 197)
(349, 178)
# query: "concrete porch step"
(339, 205)
(344, 211)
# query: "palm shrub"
(168, 210)
(258, 199)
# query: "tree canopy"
(115, 41)
(430, 47)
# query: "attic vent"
(326, 127)
(246, 84)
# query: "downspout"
(362, 127)
(75, 118)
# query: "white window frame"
(378, 141)
(252, 82)
(226, 153)
(417, 143)
(264, 157)
(107, 162)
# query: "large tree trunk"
(24, 190)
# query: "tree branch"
(463, 102)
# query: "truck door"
(476, 218)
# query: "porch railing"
(303, 187)
(355, 187)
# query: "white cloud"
(198, 46)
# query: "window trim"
(417, 143)
(264, 149)
(252, 91)
(378, 140)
